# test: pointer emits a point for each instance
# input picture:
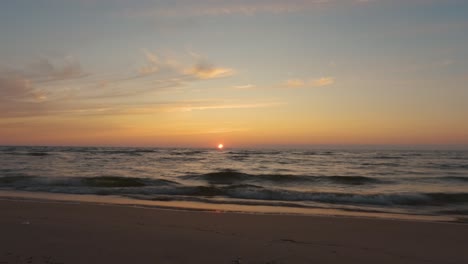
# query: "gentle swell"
(101, 181)
(231, 177)
(454, 178)
(37, 154)
(109, 185)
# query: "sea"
(377, 182)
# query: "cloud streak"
(205, 71)
(218, 106)
(46, 70)
(299, 83)
(294, 83)
(200, 69)
(38, 90)
(27, 91)
(324, 81)
(245, 86)
(185, 9)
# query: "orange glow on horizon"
(220, 146)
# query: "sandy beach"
(57, 232)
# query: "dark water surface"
(414, 182)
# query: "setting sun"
(340, 118)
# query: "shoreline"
(214, 207)
(54, 232)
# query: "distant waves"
(407, 182)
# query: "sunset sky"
(243, 73)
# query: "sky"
(195, 73)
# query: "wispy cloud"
(207, 71)
(136, 108)
(19, 97)
(23, 91)
(22, 83)
(298, 83)
(199, 69)
(193, 106)
(159, 72)
(161, 64)
(244, 86)
(294, 83)
(324, 81)
(46, 70)
(15, 87)
(184, 9)
(38, 89)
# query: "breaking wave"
(110, 185)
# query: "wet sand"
(57, 232)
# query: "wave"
(93, 152)
(446, 166)
(135, 152)
(112, 185)
(36, 154)
(100, 181)
(462, 179)
(187, 152)
(457, 178)
(232, 176)
(395, 199)
(309, 153)
(255, 152)
(454, 211)
(6, 180)
(39, 154)
(119, 152)
(453, 178)
(113, 182)
(388, 157)
(388, 164)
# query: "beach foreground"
(53, 232)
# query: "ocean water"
(407, 182)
